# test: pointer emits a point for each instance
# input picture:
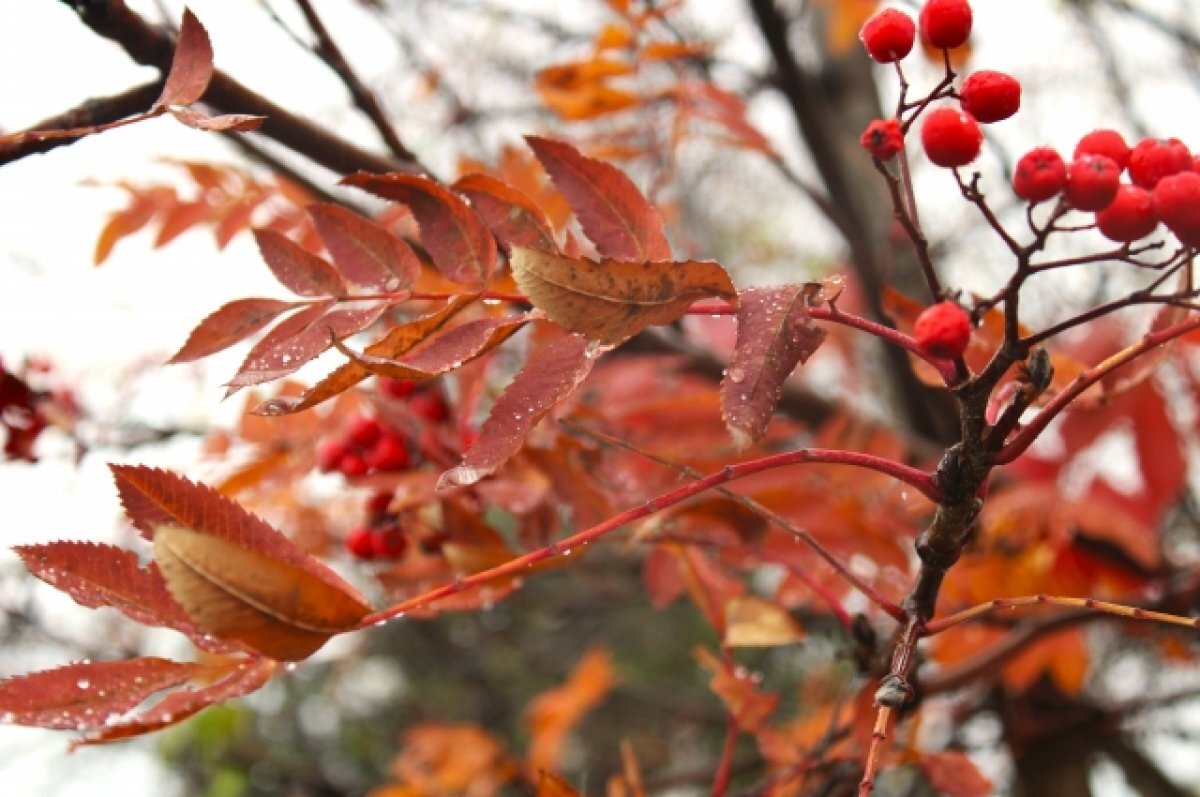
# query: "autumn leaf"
(449, 759)
(242, 676)
(548, 378)
(241, 122)
(551, 785)
(461, 245)
(90, 694)
(612, 300)
(615, 216)
(553, 714)
(774, 333)
(266, 357)
(400, 340)
(953, 774)
(103, 575)
(754, 622)
(278, 609)
(581, 89)
(748, 706)
(297, 269)
(443, 352)
(510, 213)
(230, 324)
(365, 253)
(191, 66)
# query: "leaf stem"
(999, 604)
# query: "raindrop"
(736, 375)
(83, 683)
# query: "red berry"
(883, 139)
(945, 24)
(330, 452)
(363, 430)
(888, 36)
(379, 502)
(1154, 158)
(430, 406)
(990, 96)
(360, 543)
(1177, 203)
(397, 388)
(388, 453)
(1129, 217)
(943, 330)
(1040, 175)
(353, 465)
(1108, 143)
(388, 543)
(1092, 182)
(951, 137)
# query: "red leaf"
(286, 354)
(180, 219)
(774, 334)
(126, 222)
(297, 269)
(88, 695)
(954, 775)
(549, 377)
(250, 675)
(507, 211)
(285, 330)
(104, 575)
(445, 352)
(153, 497)
(397, 342)
(241, 122)
(460, 244)
(191, 66)
(614, 214)
(234, 322)
(365, 252)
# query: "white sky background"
(106, 330)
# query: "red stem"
(913, 477)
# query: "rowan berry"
(1152, 159)
(353, 465)
(951, 137)
(1129, 216)
(1108, 143)
(388, 453)
(363, 430)
(397, 388)
(888, 35)
(430, 406)
(883, 139)
(1092, 182)
(943, 330)
(388, 543)
(1040, 175)
(1177, 204)
(330, 452)
(360, 543)
(945, 24)
(990, 96)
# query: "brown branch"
(149, 45)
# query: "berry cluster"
(1163, 184)
(381, 537)
(950, 135)
(365, 445)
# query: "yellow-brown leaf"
(754, 622)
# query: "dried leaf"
(461, 245)
(614, 214)
(549, 377)
(774, 333)
(191, 66)
(279, 610)
(128, 221)
(748, 706)
(104, 575)
(287, 354)
(612, 300)
(88, 695)
(952, 774)
(445, 352)
(554, 713)
(581, 89)
(297, 269)
(242, 122)
(232, 323)
(248, 675)
(153, 497)
(753, 622)
(397, 342)
(450, 760)
(510, 214)
(366, 253)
